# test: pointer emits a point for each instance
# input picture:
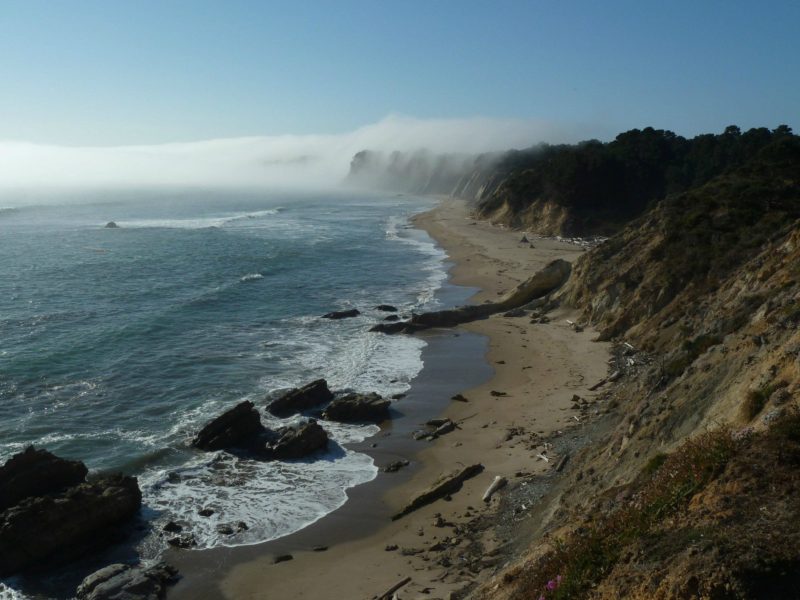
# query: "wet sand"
(535, 371)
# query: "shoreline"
(535, 370)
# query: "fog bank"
(280, 161)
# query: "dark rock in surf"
(126, 582)
(358, 408)
(64, 525)
(172, 527)
(234, 428)
(185, 540)
(392, 318)
(386, 308)
(112, 225)
(297, 442)
(342, 314)
(398, 327)
(300, 399)
(36, 473)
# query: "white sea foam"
(277, 498)
(272, 498)
(8, 593)
(398, 228)
(197, 223)
(251, 277)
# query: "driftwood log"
(498, 483)
(447, 485)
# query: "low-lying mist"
(296, 161)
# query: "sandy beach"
(504, 425)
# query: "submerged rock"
(356, 408)
(36, 473)
(300, 399)
(386, 308)
(125, 582)
(342, 314)
(237, 427)
(297, 441)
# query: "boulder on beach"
(36, 473)
(234, 428)
(126, 582)
(300, 399)
(342, 314)
(358, 408)
(65, 524)
(297, 441)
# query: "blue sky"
(117, 72)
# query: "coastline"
(537, 368)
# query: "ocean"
(118, 344)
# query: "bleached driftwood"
(498, 483)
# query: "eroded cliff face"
(692, 492)
(471, 177)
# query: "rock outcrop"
(542, 283)
(126, 582)
(235, 428)
(297, 441)
(112, 225)
(300, 399)
(36, 473)
(358, 408)
(40, 527)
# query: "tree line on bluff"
(624, 176)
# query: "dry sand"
(539, 367)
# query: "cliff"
(689, 489)
(584, 189)
(471, 177)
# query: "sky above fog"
(307, 79)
